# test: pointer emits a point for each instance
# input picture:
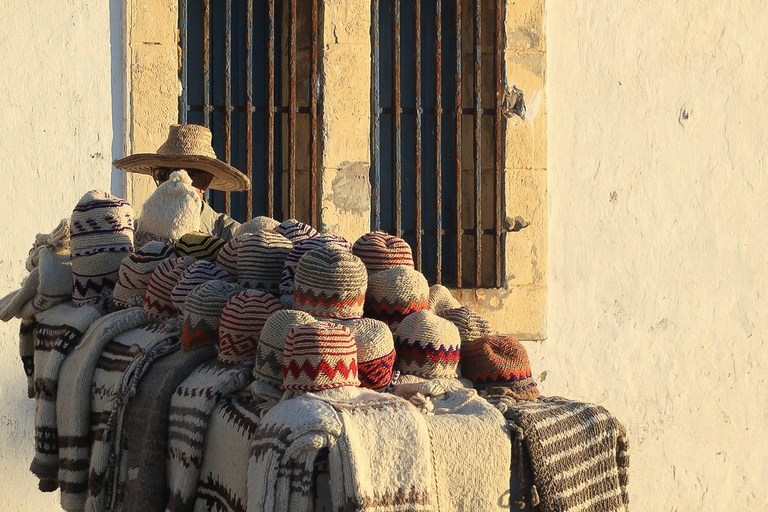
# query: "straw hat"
(188, 147)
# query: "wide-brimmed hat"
(188, 147)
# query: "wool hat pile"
(292, 260)
(375, 352)
(499, 362)
(379, 251)
(441, 298)
(242, 320)
(269, 352)
(171, 211)
(427, 346)
(197, 273)
(330, 283)
(136, 271)
(296, 231)
(260, 260)
(257, 224)
(318, 356)
(200, 327)
(470, 324)
(157, 301)
(199, 246)
(227, 257)
(394, 294)
(101, 236)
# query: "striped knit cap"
(197, 273)
(375, 352)
(470, 325)
(241, 323)
(440, 298)
(101, 236)
(269, 352)
(296, 231)
(260, 260)
(257, 224)
(499, 362)
(227, 257)
(380, 251)
(136, 271)
(157, 302)
(394, 294)
(427, 346)
(200, 327)
(318, 356)
(200, 246)
(292, 260)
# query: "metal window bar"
(223, 46)
(423, 97)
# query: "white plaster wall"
(61, 124)
(658, 239)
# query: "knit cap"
(136, 271)
(394, 294)
(296, 231)
(292, 260)
(269, 352)
(470, 325)
(242, 320)
(440, 298)
(197, 273)
(171, 211)
(260, 260)
(227, 257)
(257, 224)
(427, 346)
(330, 282)
(379, 251)
(200, 327)
(375, 352)
(200, 246)
(157, 302)
(56, 280)
(499, 362)
(101, 236)
(57, 241)
(318, 356)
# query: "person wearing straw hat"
(188, 147)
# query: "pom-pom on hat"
(227, 257)
(260, 260)
(205, 303)
(171, 211)
(197, 273)
(101, 236)
(296, 231)
(330, 282)
(375, 352)
(380, 251)
(257, 224)
(318, 356)
(269, 352)
(470, 324)
(157, 301)
(441, 298)
(292, 260)
(394, 294)
(499, 362)
(242, 320)
(136, 271)
(427, 346)
(199, 246)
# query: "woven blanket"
(73, 403)
(223, 483)
(143, 473)
(121, 365)
(191, 407)
(579, 453)
(59, 330)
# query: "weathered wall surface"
(658, 148)
(57, 96)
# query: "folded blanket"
(578, 452)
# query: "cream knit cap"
(171, 211)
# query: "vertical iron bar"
(497, 121)
(249, 112)
(376, 117)
(228, 98)
(457, 79)
(207, 63)
(478, 142)
(438, 135)
(184, 107)
(292, 28)
(397, 111)
(417, 171)
(313, 133)
(271, 113)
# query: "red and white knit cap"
(227, 257)
(441, 298)
(269, 352)
(394, 294)
(330, 283)
(499, 362)
(427, 346)
(375, 352)
(157, 302)
(295, 230)
(470, 324)
(260, 260)
(380, 251)
(241, 322)
(197, 273)
(200, 327)
(318, 356)
(136, 271)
